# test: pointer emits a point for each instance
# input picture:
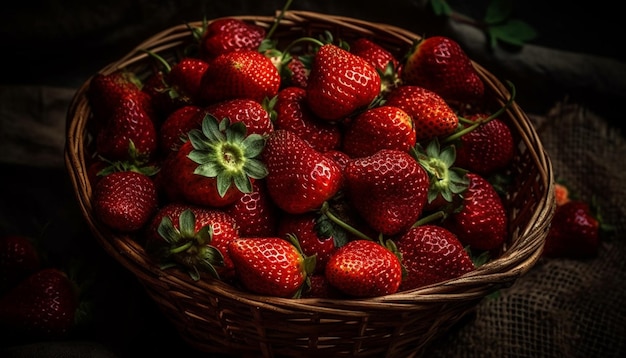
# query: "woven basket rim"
(517, 257)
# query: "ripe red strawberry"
(106, 90)
(42, 306)
(19, 257)
(375, 54)
(432, 116)
(255, 212)
(313, 240)
(270, 266)
(174, 129)
(340, 83)
(229, 34)
(486, 148)
(299, 179)
(251, 113)
(382, 127)
(125, 201)
(363, 268)
(216, 166)
(131, 120)
(320, 288)
(382, 59)
(297, 72)
(439, 64)
(185, 77)
(193, 237)
(574, 232)
(481, 222)
(388, 189)
(240, 74)
(431, 254)
(293, 114)
(164, 98)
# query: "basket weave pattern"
(215, 317)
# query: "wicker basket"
(215, 317)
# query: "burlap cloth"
(562, 307)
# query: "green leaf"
(243, 183)
(187, 223)
(211, 129)
(167, 230)
(498, 11)
(255, 169)
(441, 7)
(209, 170)
(514, 32)
(223, 183)
(254, 144)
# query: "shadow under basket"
(215, 317)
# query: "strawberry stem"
(430, 218)
(474, 124)
(278, 18)
(325, 209)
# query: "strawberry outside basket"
(214, 317)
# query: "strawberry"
(574, 231)
(432, 116)
(251, 113)
(19, 257)
(383, 127)
(439, 64)
(561, 193)
(42, 306)
(255, 212)
(431, 254)
(340, 83)
(363, 268)
(174, 85)
(131, 120)
(106, 90)
(320, 288)
(293, 114)
(382, 59)
(271, 265)
(228, 34)
(486, 148)
(481, 222)
(389, 189)
(375, 54)
(125, 201)
(297, 72)
(164, 98)
(216, 166)
(185, 77)
(240, 74)
(174, 129)
(196, 238)
(299, 179)
(313, 240)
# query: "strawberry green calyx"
(189, 248)
(445, 180)
(309, 263)
(223, 151)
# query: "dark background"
(61, 43)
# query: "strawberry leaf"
(498, 11)
(514, 32)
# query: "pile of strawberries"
(324, 168)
